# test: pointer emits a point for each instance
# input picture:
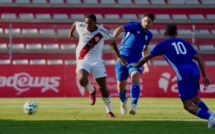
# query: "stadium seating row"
(120, 2)
(37, 62)
(72, 62)
(71, 47)
(105, 14)
(109, 17)
(60, 62)
(65, 32)
(38, 47)
(27, 44)
(54, 30)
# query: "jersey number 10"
(179, 48)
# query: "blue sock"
(202, 105)
(135, 93)
(202, 114)
(122, 95)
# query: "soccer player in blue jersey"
(132, 47)
(180, 55)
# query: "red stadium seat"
(105, 2)
(74, 2)
(158, 2)
(55, 62)
(4, 61)
(90, 2)
(23, 1)
(39, 1)
(38, 62)
(20, 61)
(129, 2)
(56, 1)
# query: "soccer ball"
(30, 107)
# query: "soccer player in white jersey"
(89, 58)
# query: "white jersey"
(90, 43)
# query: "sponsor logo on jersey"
(146, 37)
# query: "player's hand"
(206, 81)
(71, 35)
(134, 65)
(122, 61)
(146, 68)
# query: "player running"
(133, 46)
(180, 54)
(89, 58)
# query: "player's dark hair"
(150, 15)
(91, 16)
(171, 29)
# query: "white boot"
(123, 107)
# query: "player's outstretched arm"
(145, 66)
(116, 50)
(201, 63)
(117, 32)
(143, 60)
(71, 34)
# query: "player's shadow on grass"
(103, 127)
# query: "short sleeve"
(193, 51)
(150, 35)
(132, 26)
(106, 34)
(157, 50)
(78, 25)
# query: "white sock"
(89, 87)
(209, 112)
(134, 107)
(107, 103)
(211, 117)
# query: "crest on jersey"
(146, 37)
(97, 38)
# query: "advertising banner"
(60, 81)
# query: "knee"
(121, 88)
(190, 108)
(196, 100)
(82, 81)
(135, 78)
(121, 85)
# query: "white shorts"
(97, 68)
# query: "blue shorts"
(188, 87)
(122, 72)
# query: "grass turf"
(76, 116)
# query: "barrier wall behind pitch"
(60, 81)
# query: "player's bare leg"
(197, 111)
(82, 76)
(197, 101)
(105, 96)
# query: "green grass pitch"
(77, 116)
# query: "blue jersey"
(133, 41)
(179, 54)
